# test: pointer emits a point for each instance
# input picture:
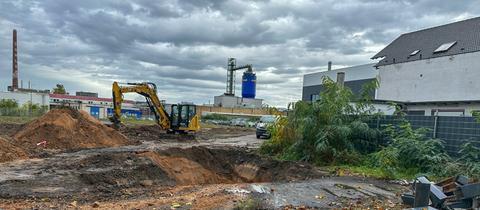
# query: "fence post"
(435, 124)
(378, 122)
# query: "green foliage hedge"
(332, 131)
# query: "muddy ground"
(219, 169)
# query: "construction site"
(69, 158)
(361, 137)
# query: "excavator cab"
(183, 116)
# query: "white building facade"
(448, 79)
(100, 108)
(41, 99)
(433, 71)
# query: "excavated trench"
(104, 174)
(189, 166)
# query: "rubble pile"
(452, 193)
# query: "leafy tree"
(329, 130)
(59, 89)
(8, 103)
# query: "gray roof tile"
(466, 33)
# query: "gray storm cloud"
(183, 45)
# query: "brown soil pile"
(66, 129)
(185, 171)
(9, 152)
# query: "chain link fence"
(33, 111)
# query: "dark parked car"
(262, 126)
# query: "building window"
(414, 52)
(444, 47)
(448, 112)
(314, 97)
(416, 112)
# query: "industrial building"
(249, 82)
(22, 98)
(98, 107)
(87, 101)
(19, 94)
(355, 78)
(429, 72)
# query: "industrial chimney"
(14, 62)
(341, 78)
(329, 65)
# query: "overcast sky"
(183, 45)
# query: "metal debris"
(453, 192)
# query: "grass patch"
(251, 203)
(16, 119)
(375, 172)
(208, 125)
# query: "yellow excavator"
(183, 118)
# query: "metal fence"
(454, 131)
(23, 111)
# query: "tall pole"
(14, 62)
(31, 101)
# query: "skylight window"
(444, 47)
(414, 52)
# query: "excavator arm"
(149, 91)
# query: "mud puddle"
(329, 192)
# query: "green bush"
(469, 160)
(332, 131)
(326, 130)
(10, 107)
(410, 152)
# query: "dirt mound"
(189, 166)
(9, 129)
(9, 152)
(108, 173)
(66, 129)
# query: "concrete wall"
(246, 111)
(22, 98)
(236, 102)
(450, 78)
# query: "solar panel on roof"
(444, 47)
(414, 52)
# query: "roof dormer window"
(444, 47)
(414, 52)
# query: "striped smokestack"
(14, 62)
